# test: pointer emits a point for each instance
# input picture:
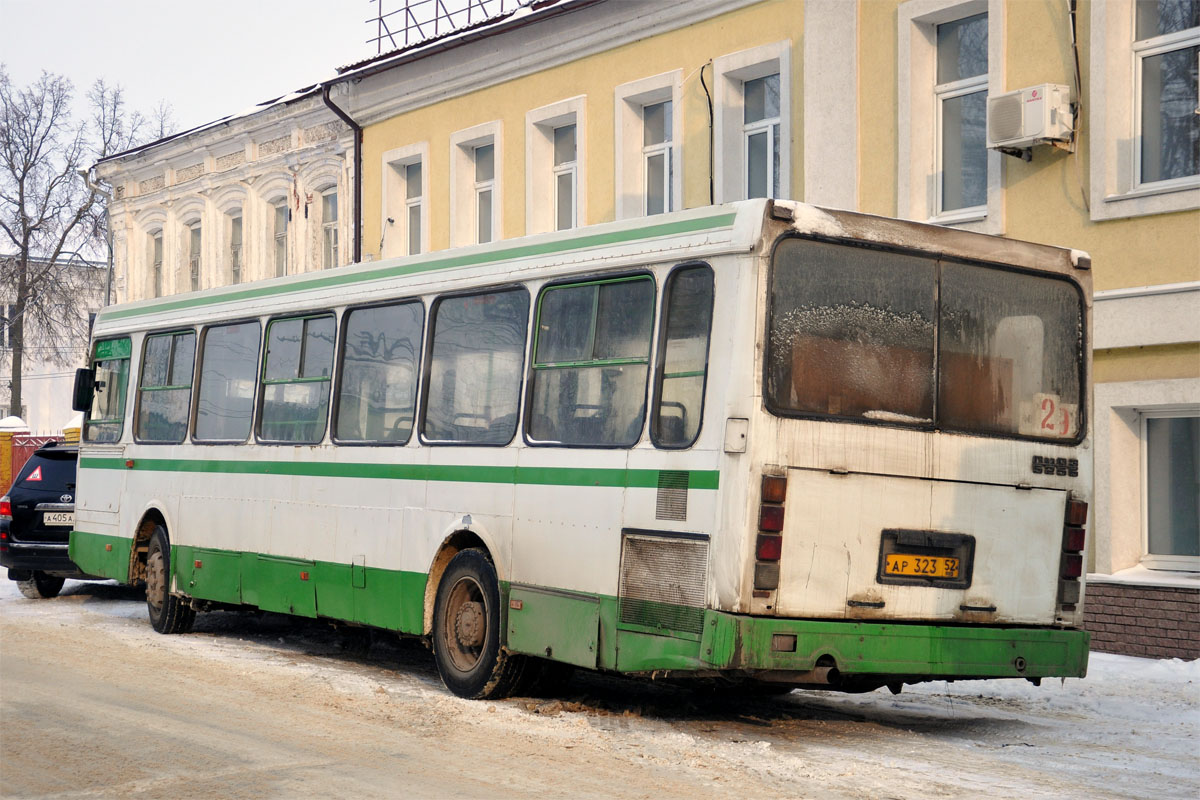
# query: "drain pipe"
(358, 136)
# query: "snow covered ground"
(1130, 729)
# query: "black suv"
(36, 518)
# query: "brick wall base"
(1147, 621)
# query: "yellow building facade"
(880, 108)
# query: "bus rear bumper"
(910, 651)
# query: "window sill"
(1143, 576)
(1150, 199)
(975, 214)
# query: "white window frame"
(328, 227)
(918, 181)
(281, 201)
(1115, 119)
(194, 232)
(237, 256)
(1152, 560)
(395, 237)
(630, 101)
(570, 169)
(463, 189)
(730, 72)
(156, 270)
(540, 173)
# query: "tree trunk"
(16, 336)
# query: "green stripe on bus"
(464, 260)
(463, 473)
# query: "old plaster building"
(577, 112)
(248, 197)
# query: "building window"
(960, 101)
(564, 177)
(484, 159)
(1171, 489)
(1144, 128)
(760, 134)
(657, 164)
(555, 149)
(648, 179)
(194, 256)
(1166, 62)
(6, 331)
(950, 57)
(413, 200)
(329, 229)
(404, 223)
(156, 262)
(751, 123)
(281, 216)
(235, 248)
(476, 190)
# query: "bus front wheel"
(168, 613)
(466, 631)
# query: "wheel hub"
(469, 624)
(155, 580)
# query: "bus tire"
(168, 613)
(466, 631)
(40, 586)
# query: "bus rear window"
(853, 334)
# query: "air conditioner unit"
(1021, 119)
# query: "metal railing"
(417, 20)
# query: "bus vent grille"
(672, 495)
(662, 582)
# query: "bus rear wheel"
(466, 631)
(168, 613)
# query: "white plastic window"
(760, 135)
(960, 99)
(564, 173)
(413, 201)
(657, 167)
(1166, 52)
(281, 217)
(1170, 490)
(485, 189)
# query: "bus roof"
(684, 235)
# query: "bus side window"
(107, 415)
(682, 357)
(476, 353)
(297, 372)
(380, 357)
(591, 361)
(225, 400)
(165, 388)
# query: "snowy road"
(93, 703)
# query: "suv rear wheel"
(40, 586)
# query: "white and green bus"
(763, 444)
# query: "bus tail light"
(770, 518)
(1074, 541)
(1072, 565)
(769, 547)
(5, 509)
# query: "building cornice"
(474, 65)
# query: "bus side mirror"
(81, 398)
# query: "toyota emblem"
(66, 498)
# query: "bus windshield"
(865, 334)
